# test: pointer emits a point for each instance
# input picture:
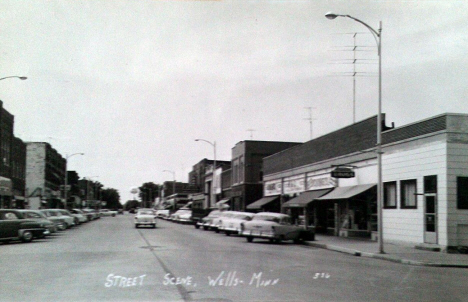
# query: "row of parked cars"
(25, 225)
(275, 227)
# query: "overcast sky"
(133, 83)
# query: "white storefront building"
(425, 181)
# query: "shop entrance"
(430, 218)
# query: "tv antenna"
(354, 61)
(310, 119)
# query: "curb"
(381, 257)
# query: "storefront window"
(408, 194)
(390, 195)
(462, 193)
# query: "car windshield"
(145, 212)
(267, 218)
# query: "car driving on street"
(145, 217)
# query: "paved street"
(110, 260)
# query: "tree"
(111, 197)
(148, 193)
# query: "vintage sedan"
(106, 212)
(182, 216)
(40, 217)
(232, 225)
(69, 221)
(206, 222)
(273, 226)
(13, 226)
(216, 222)
(145, 217)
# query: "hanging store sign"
(342, 172)
(273, 187)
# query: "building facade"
(425, 181)
(6, 143)
(18, 173)
(247, 170)
(45, 174)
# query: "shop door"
(430, 218)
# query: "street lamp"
(66, 176)
(173, 185)
(378, 39)
(21, 78)
(213, 189)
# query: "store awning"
(222, 201)
(305, 198)
(257, 205)
(346, 192)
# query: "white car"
(216, 222)
(232, 224)
(106, 212)
(80, 218)
(164, 214)
(206, 222)
(182, 216)
(69, 220)
(145, 217)
(273, 226)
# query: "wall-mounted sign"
(295, 184)
(342, 172)
(317, 183)
(273, 187)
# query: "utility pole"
(310, 119)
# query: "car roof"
(272, 214)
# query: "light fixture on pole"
(378, 39)
(213, 187)
(65, 187)
(21, 78)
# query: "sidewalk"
(393, 252)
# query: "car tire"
(205, 228)
(249, 239)
(154, 226)
(228, 233)
(65, 226)
(197, 227)
(27, 236)
(297, 241)
(217, 230)
(113, 215)
(136, 226)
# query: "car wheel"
(136, 226)
(297, 241)
(197, 226)
(65, 226)
(77, 221)
(249, 239)
(154, 226)
(217, 230)
(227, 233)
(113, 215)
(27, 236)
(205, 228)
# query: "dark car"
(13, 226)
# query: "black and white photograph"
(233, 150)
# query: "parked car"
(164, 214)
(77, 218)
(106, 212)
(91, 214)
(232, 225)
(13, 226)
(59, 221)
(120, 211)
(68, 220)
(273, 226)
(205, 222)
(198, 214)
(145, 217)
(182, 216)
(40, 217)
(216, 222)
(82, 217)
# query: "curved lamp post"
(377, 34)
(65, 189)
(213, 188)
(21, 78)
